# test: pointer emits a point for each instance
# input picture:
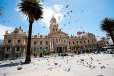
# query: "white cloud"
(3, 29)
(48, 12)
(55, 11)
(21, 15)
(58, 7)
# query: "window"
(88, 41)
(77, 42)
(40, 48)
(80, 42)
(18, 48)
(53, 29)
(40, 42)
(46, 42)
(73, 42)
(9, 41)
(19, 41)
(84, 42)
(35, 42)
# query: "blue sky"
(72, 16)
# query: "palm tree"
(108, 26)
(33, 10)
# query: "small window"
(46, 42)
(40, 42)
(80, 42)
(9, 41)
(35, 42)
(40, 48)
(19, 41)
(88, 41)
(53, 29)
(73, 42)
(18, 48)
(77, 42)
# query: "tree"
(33, 10)
(108, 26)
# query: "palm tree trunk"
(28, 51)
(112, 36)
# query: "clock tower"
(53, 25)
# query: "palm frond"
(107, 25)
(31, 8)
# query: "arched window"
(88, 41)
(73, 42)
(40, 42)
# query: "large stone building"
(82, 42)
(56, 41)
(15, 42)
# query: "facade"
(82, 42)
(102, 42)
(56, 41)
(15, 42)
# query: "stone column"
(51, 45)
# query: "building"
(15, 42)
(82, 42)
(56, 41)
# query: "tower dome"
(53, 25)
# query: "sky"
(72, 16)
